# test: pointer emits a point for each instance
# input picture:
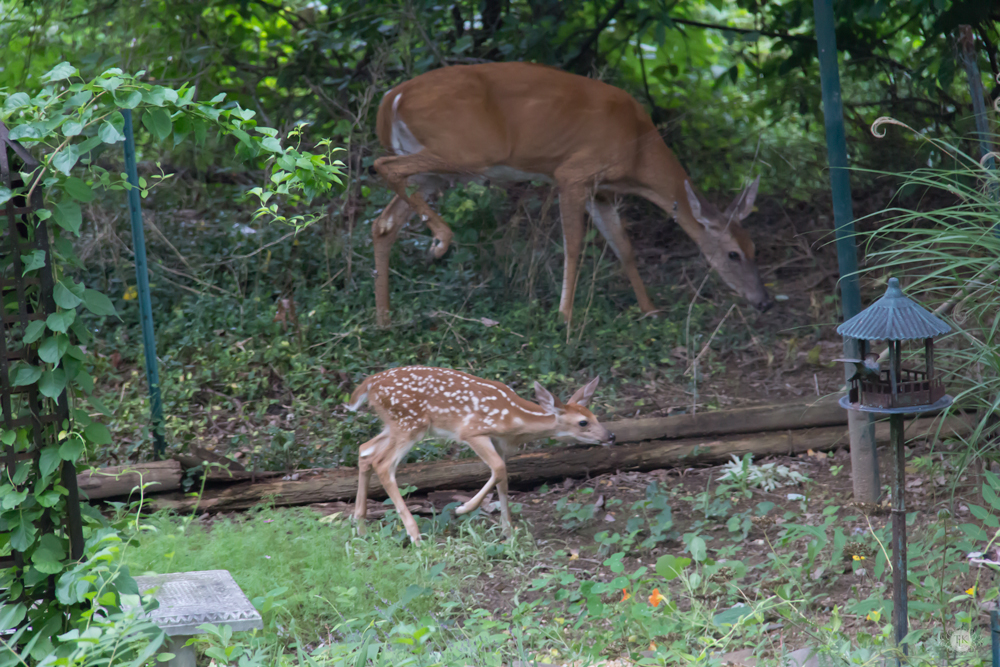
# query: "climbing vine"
(75, 129)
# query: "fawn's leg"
(364, 477)
(483, 446)
(385, 467)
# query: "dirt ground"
(830, 475)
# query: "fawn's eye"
(735, 256)
(583, 423)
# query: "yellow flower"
(857, 557)
(874, 615)
(655, 599)
(971, 591)
(131, 293)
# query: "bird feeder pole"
(864, 459)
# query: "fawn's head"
(574, 422)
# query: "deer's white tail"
(360, 396)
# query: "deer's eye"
(735, 256)
(583, 423)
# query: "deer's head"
(727, 246)
(574, 422)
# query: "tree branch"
(744, 31)
(592, 39)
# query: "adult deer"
(521, 121)
(488, 416)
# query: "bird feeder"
(895, 391)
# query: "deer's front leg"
(483, 446)
(366, 452)
(571, 208)
(385, 467)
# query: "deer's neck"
(661, 179)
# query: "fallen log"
(755, 419)
(99, 483)
(541, 465)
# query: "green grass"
(330, 574)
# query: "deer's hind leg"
(364, 477)
(385, 463)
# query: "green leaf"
(158, 122)
(48, 461)
(731, 616)
(72, 448)
(109, 134)
(61, 71)
(97, 303)
(22, 536)
(12, 499)
(78, 190)
(130, 101)
(11, 615)
(49, 554)
(52, 383)
(83, 380)
(670, 567)
(25, 131)
(698, 548)
(16, 101)
(53, 349)
(6, 194)
(72, 128)
(34, 260)
(60, 322)
(64, 296)
(271, 144)
(98, 433)
(66, 159)
(27, 375)
(69, 216)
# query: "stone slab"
(188, 599)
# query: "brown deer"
(521, 121)
(416, 401)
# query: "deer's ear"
(695, 203)
(549, 403)
(584, 394)
(742, 206)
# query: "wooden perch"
(121, 480)
(537, 466)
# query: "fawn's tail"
(359, 396)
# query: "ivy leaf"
(72, 448)
(67, 296)
(158, 122)
(11, 615)
(27, 375)
(6, 194)
(52, 384)
(48, 461)
(68, 215)
(78, 190)
(98, 433)
(271, 144)
(66, 159)
(84, 381)
(34, 260)
(61, 71)
(22, 536)
(72, 128)
(49, 554)
(109, 134)
(131, 100)
(13, 498)
(59, 322)
(53, 349)
(16, 101)
(97, 303)
(64, 297)
(25, 131)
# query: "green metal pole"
(142, 287)
(864, 459)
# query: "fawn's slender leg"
(385, 467)
(364, 477)
(483, 446)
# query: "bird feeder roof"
(894, 317)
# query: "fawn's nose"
(611, 439)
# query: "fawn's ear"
(549, 403)
(583, 394)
